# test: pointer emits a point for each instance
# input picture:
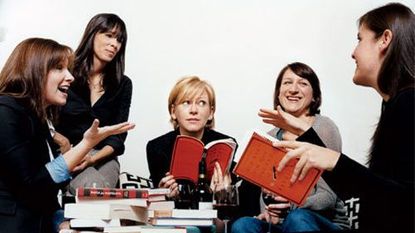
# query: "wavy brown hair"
(25, 73)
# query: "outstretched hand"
(96, 134)
(310, 156)
(281, 119)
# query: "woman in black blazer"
(35, 80)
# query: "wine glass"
(269, 199)
(226, 201)
(184, 199)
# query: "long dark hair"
(398, 68)
(84, 54)
(304, 71)
(25, 73)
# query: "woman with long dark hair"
(100, 90)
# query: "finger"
(298, 169)
(95, 124)
(304, 171)
(218, 169)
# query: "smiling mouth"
(63, 89)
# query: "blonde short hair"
(187, 88)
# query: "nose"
(293, 87)
(353, 56)
(193, 108)
(69, 77)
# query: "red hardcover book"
(188, 152)
(258, 164)
(110, 193)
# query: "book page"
(219, 152)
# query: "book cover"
(188, 152)
(106, 212)
(110, 193)
(258, 164)
(161, 205)
(184, 213)
(143, 202)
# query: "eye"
(304, 84)
(186, 103)
(202, 103)
(286, 82)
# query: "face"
(367, 55)
(296, 94)
(57, 84)
(106, 46)
(193, 114)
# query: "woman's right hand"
(169, 182)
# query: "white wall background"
(239, 46)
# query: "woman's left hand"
(219, 181)
(310, 156)
(96, 134)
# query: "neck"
(197, 135)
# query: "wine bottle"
(203, 193)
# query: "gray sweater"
(322, 199)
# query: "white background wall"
(239, 46)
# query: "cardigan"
(321, 199)
(28, 195)
(111, 108)
(160, 149)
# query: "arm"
(122, 114)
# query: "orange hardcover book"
(258, 164)
(188, 152)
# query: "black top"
(386, 188)
(112, 107)
(28, 195)
(159, 152)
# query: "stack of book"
(101, 208)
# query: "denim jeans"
(298, 220)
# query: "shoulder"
(211, 135)
(404, 100)
(323, 121)
(164, 139)
(10, 105)
(125, 81)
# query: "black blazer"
(112, 108)
(159, 152)
(28, 195)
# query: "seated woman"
(297, 91)
(100, 90)
(191, 105)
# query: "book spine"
(109, 193)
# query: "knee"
(241, 225)
(298, 215)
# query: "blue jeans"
(298, 220)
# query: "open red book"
(188, 152)
(258, 164)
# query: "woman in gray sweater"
(297, 91)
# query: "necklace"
(95, 83)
